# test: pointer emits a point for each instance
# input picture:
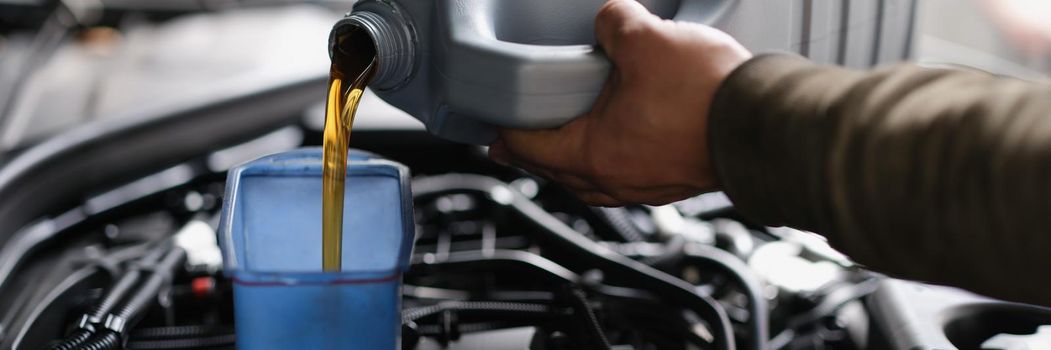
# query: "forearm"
(935, 175)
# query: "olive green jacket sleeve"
(937, 175)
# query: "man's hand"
(645, 139)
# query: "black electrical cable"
(103, 341)
(87, 324)
(678, 252)
(212, 341)
(833, 302)
(110, 337)
(464, 328)
(160, 275)
(86, 329)
(180, 332)
(594, 328)
(758, 322)
(471, 262)
(448, 326)
(605, 259)
(504, 309)
(73, 340)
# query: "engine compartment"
(502, 260)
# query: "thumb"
(560, 149)
(617, 20)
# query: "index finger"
(557, 149)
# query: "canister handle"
(475, 56)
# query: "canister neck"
(394, 39)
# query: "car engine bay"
(108, 220)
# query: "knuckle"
(620, 196)
(632, 35)
(602, 201)
(609, 13)
(605, 13)
(596, 166)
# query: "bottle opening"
(378, 29)
(354, 50)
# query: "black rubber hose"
(139, 301)
(758, 320)
(612, 263)
(180, 332)
(116, 293)
(109, 300)
(205, 342)
(73, 340)
(105, 340)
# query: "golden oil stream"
(353, 66)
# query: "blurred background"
(970, 33)
(61, 66)
(120, 118)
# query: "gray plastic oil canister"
(464, 67)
